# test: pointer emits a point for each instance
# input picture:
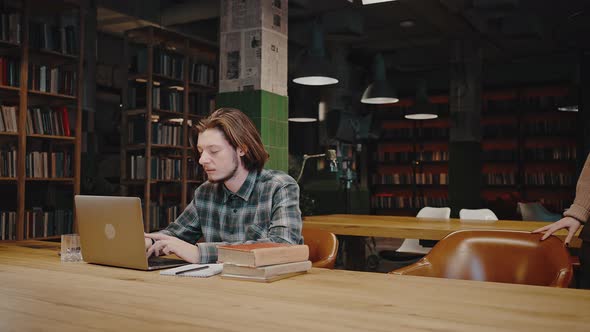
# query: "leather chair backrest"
(499, 256)
(323, 247)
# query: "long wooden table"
(38, 292)
(413, 227)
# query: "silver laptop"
(111, 233)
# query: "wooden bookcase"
(171, 84)
(410, 168)
(41, 96)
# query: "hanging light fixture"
(302, 114)
(314, 68)
(303, 105)
(423, 109)
(380, 91)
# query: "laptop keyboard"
(159, 261)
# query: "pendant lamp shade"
(380, 91)
(303, 104)
(300, 113)
(314, 68)
(423, 109)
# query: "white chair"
(477, 214)
(386, 254)
(413, 246)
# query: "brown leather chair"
(323, 247)
(501, 256)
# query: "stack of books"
(263, 262)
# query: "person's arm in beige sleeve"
(579, 211)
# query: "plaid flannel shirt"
(265, 209)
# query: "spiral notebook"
(194, 270)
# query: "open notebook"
(194, 270)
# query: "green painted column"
(269, 112)
(253, 49)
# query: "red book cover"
(65, 119)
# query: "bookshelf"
(530, 148)
(529, 152)
(41, 64)
(410, 161)
(171, 84)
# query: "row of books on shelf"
(263, 262)
(168, 133)
(563, 153)
(407, 156)
(500, 155)
(43, 164)
(172, 65)
(202, 74)
(57, 80)
(201, 103)
(550, 127)
(10, 27)
(8, 119)
(9, 71)
(167, 99)
(391, 201)
(499, 131)
(7, 225)
(535, 128)
(161, 168)
(43, 223)
(408, 178)
(542, 103)
(502, 178)
(47, 121)
(551, 153)
(168, 64)
(38, 223)
(170, 99)
(418, 133)
(550, 178)
(43, 121)
(162, 216)
(55, 37)
(8, 162)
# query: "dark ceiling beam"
(190, 11)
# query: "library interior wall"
(495, 74)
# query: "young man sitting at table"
(240, 201)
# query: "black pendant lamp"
(423, 109)
(379, 91)
(314, 67)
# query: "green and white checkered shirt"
(265, 209)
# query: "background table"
(408, 227)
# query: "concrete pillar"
(465, 136)
(253, 69)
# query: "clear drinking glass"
(70, 248)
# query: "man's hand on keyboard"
(167, 245)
